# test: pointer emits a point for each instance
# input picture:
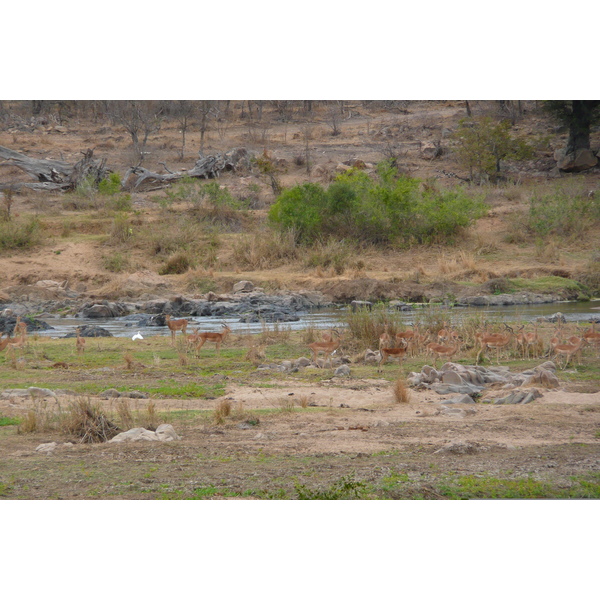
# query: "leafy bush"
(385, 209)
(566, 211)
(20, 234)
(111, 185)
(482, 144)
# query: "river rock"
(243, 286)
(459, 399)
(8, 322)
(574, 162)
(163, 433)
(452, 377)
(103, 310)
(90, 331)
(342, 371)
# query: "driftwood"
(205, 167)
(54, 175)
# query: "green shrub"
(111, 185)
(121, 230)
(386, 209)
(20, 234)
(566, 211)
(122, 203)
(482, 144)
(115, 263)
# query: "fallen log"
(206, 167)
(54, 175)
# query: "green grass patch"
(7, 421)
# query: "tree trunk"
(580, 123)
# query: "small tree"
(482, 144)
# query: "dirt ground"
(347, 428)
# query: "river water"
(330, 317)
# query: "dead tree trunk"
(206, 167)
(54, 175)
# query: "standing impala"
(327, 348)
(439, 350)
(209, 336)
(176, 325)
(386, 353)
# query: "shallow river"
(325, 318)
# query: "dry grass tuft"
(222, 411)
(401, 391)
(150, 417)
(87, 422)
(38, 419)
(124, 414)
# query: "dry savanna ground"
(250, 433)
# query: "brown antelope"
(20, 327)
(592, 337)
(494, 340)
(532, 340)
(384, 339)
(5, 342)
(176, 325)
(327, 348)
(521, 341)
(439, 350)
(446, 333)
(79, 342)
(211, 336)
(410, 338)
(386, 353)
(568, 350)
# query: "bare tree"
(140, 119)
(184, 111)
(208, 110)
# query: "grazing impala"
(327, 348)
(176, 325)
(210, 336)
(441, 351)
(568, 350)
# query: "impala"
(384, 339)
(568, 350)
(79, 342)
(4, 343)
(327, 348)
(439, 350)
(494, 340)
(211, 336)
(395, 352)
(409, 337)
(176, 325)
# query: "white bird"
(137, 336)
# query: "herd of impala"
(443, 344)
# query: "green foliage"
(20, 234)
(482, 144)
(111, 185)
(122, 202)
(6, 421)
(386, 209)
(566, 211)
(121, 231)
(346, 488)
(115, 263)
